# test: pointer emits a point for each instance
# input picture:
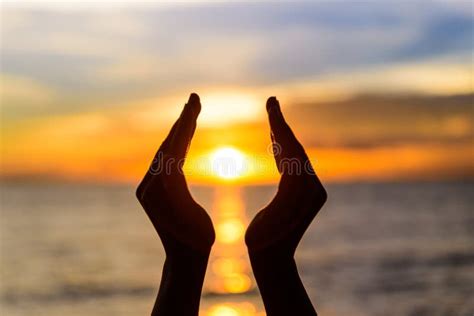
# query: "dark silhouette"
(272, 237)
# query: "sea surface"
(388, 249)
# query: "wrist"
(279, 251)
(180, 252)
(181, 281)
(280, 285)
(270, 262)
(188, 261)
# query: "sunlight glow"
(229, 231)
(229, 108)
(228, 163)
(222, 310)
(233, 309)
(229, 268)
(237, 283)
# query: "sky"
(375, 90)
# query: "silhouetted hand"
(273, 235)
(183, 226)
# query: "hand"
(183, 226)
(181, 223)
(273, 235)
(300, 194)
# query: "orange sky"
(115, 150)
(95, 98)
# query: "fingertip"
(194, 104)
(194, 98)
(272, 104)
(278, 125)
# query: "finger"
(185, 129)
(280, 129)
(276, 150)
(166, 143)
(157, 160)
(283, 135)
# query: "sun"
(228, 163)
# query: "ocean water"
(374, 249)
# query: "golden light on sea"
(229, 270)
(233, 309)
(230, 230)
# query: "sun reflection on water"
(230, 230)
(233, 309)
(229, 270)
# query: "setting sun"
(228, 163)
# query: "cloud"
(95, 51)
(114, 80)
(24, 92)
(438, 77)
(452, 32)
(390, 120)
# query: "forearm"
(181, 284)
(281, 288)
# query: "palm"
(164, 194)
(300, 193)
